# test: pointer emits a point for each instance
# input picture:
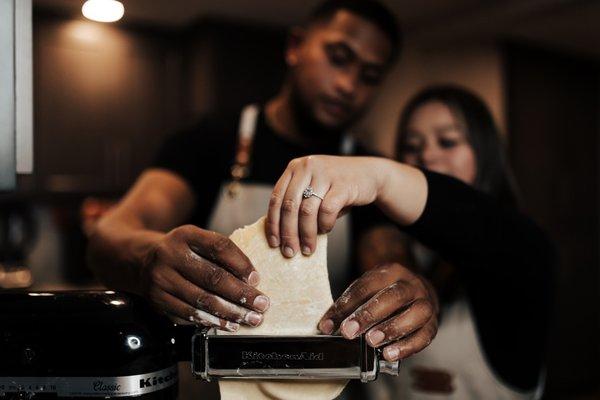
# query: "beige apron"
(251, 203)
(453, 366)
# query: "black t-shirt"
(505, 265)
(204, 154)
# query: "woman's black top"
(505, 263)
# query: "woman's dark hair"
(493, 173)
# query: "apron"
(453, 366)
(251, 200)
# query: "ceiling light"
(103, 10)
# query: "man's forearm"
(117, 252)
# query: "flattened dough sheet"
(300, 294)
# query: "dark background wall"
(245, 63)
(106, 96)
(554, 124)
(103, 99)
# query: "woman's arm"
(293, 222)
(506, 265)
(501, 254)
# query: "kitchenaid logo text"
(302, 356)
(91, 386)
(100, 386)
(158, 380)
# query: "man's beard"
(309, 126)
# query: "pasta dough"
(300, 294)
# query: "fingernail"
(261, 303)
(253, 278)
(375, 337)
(288, 251)
(350, 328)
(273, 241)
(306, 251)
(391, 353)
(326, 326)
(253, 318)
(232, 326)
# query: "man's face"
(336, 67)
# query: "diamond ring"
(309, 192)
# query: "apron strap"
(243, 154)
(347, 145)
(248, 119)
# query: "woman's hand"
(338, 182)
(397, 308)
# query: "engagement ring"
(309, 192)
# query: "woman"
(494, 278)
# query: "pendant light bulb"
(103, 10)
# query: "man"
(220, 176)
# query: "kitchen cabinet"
(107, 95)
(104, 98)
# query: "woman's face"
(437, 140)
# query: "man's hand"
(203, 277)
(397, 308)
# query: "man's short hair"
(371, 10)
